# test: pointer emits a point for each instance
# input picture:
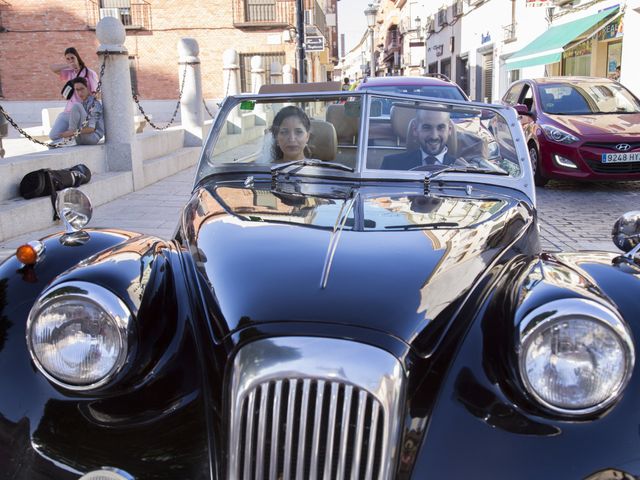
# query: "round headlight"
(78, 335)
(576, 356)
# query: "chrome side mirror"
(75, 210)
(626, 231)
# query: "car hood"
(608, 124)
(358, 259)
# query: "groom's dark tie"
(430, 160)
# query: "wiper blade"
(458, 169)
(310, 162)
(434, 225)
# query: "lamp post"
(371, 12)
(302, 78)
(418, 24)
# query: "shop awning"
(548, 47)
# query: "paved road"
(572, 216)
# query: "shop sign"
(612, 30)
(582, 49)
(538, 3)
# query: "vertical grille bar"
(302, 437)
(248, 436)
(333, 408)
(262, 428)
(375, 413)
(291, 410)
(317, 423)
(344, 431)
(275, 430)
(362, 407)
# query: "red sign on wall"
(538, 3)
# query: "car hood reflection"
(376, 258)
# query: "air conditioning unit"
(442, 16)
(564, 3)
(430, 27)
(110, 12)
(456, 8)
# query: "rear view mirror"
(376, 108)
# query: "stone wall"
(37, 33)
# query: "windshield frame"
(523, 182)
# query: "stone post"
(231, 72)
(276, 73)
(191, 100)
(257, 73)
(120, 146)
(287, 74)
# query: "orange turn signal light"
(27, 254)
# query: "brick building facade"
(35, 33)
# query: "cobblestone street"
(579, 216)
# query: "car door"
(526, 97)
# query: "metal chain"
(76, 133)
(227, 91)
(207, 109)
(175, 111)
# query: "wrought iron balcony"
(275, 14)
(133, 15)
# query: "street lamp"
(371, 12)
(418, 24)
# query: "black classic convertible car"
(347, 295)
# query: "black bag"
(43, 182)
(67, 89)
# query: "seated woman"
(291, 128)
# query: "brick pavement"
(572, 216)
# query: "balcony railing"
(275, 13)
(133, 16)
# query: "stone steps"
(19, 216)
(161, 167)
(162, 154)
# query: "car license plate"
(620, 157)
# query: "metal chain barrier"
(207, 108)
(67, 140)
(175, 111)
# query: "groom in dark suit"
(432, 128)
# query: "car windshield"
(445, 92)
(586, 98)
(322, 136)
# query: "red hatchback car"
(578, 128)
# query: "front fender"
(483, 421)
(148, 421)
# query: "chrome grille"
(335, 422)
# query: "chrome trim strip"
(334, 240)
(275, 430)
(331, 431)
(304, 363)
(375, 412)
(293, 385)
(108, 302)
(559, 310)
(362, 407)
(248, 436)
(302, 434)
(262, 428)
(317, 422)
(344, 431)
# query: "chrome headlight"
(558, 135)
(575, 355)
(78, 334)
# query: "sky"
(351, 21)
